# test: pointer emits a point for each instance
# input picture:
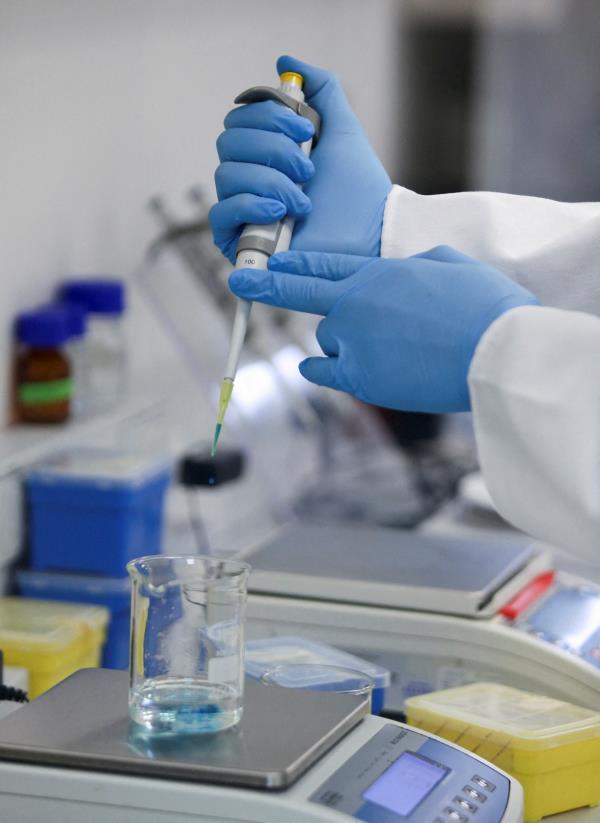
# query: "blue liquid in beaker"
(184, 705)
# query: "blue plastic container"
(113, 593)
(93, 510)
(263, 655)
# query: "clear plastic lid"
(90, 584)
(315, 677)
(263, 655)
(528, 718)
(106, 467)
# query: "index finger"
(286, 291)
(270, 116)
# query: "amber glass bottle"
(43, 369)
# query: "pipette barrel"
(257, 244)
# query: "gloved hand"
(396, 333)
(341, 208)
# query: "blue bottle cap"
(98, 296)
(45, 327)
(76, 318)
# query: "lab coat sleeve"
(551, 248)
(534, 380)
(535, 392)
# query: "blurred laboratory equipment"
(190, 238)
(77, 351)
(199, 469)
(536, 109)
(187, 643)
(112, 593)
(401, 489)
(191, 241)
(320, 454)
(106, 377)
(436, 69)
(50, 640)
(437, 610)
(43, 370)
(93, 510)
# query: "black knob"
(198, 468)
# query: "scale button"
(465, 804)
(474, 794)
(455, 816)
(483, 783)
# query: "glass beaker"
(187, 643)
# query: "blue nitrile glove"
(396, 333)
(341, 209)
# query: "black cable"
(12, 694)
(197, 524)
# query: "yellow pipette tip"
(224, 398)
(213, 450)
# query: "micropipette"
(258, 243)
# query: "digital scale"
(436, 611)
(72, 756)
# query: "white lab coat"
(535, 376)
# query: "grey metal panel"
(82, 723)
(387, 567)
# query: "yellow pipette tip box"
(51, 639)
(551, 747)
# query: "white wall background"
(105, 102)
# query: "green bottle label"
(40, 394)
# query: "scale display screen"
(403, 776)
(406, 783)
(570, 616)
